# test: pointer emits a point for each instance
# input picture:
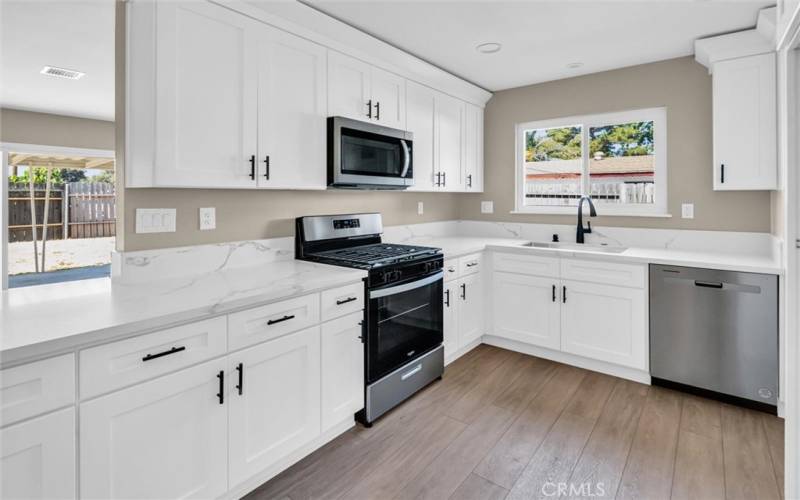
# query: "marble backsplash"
(149, 265)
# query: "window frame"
(658, 116)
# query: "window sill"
(574, 211)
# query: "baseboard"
(570, 359)
(254, 482)
(449, 358)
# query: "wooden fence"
(77, 210)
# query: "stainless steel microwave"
(367, 156)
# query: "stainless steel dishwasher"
(716, 331)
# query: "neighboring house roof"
(618, 166)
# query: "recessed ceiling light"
(489, 48)
(69, 74)
(574, 65)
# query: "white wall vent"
(69, 74)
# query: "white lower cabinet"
(604, 322)
(37, 457)
(463, 305)
(527, 309)
(342, 369)
(167, 438)
(450, 327)
(470, 309)
(274, 401)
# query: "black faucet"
(592, 213)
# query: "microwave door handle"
(385, 292)
(407, 159)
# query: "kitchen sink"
(576, 247)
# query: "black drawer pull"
(221, 393)
(472, 264)
(280, 320)
(345, 301)
(165, 353)
(240, 385)
(707, 284)
(464, 291)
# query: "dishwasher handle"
(708, 284)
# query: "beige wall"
(27, 127)
(245, 215)
(682, 85)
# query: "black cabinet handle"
(369, 107)
(165, 353)
(266, 162)
(253, 167)
(469, 180)
(377, 110)
(464, 291)
(554, 293)
(722, 173)
(280, 320)
(564, 294)
(221, 393)
(438, 179)
(447, 298)
(472, 264)
(444, 179)
(240, 385)
(345, 301)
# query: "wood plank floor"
(505, 425)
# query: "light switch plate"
(155, 220)
(487, 207)
(208, 218)
(687, 211)
(420, 208)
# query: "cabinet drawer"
(450, 269)
(604, 273)
(535, 265)
(268, 322)
(35, 388)
(343, 300)
(119, 364)
(470, 264)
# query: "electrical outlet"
(687, 211)
(420, 208)
(208, 218)
(487, 207)
(155, 220)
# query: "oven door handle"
(407, 159)
(384, 292)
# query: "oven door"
(403, 322)
(364, 154)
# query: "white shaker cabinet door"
(473, 149)
(450, 307)
(205, 96)
(292, 111)
(526, 309)
(277, 409)
(421, 116)
(389, 99)
(470, 309)
(449, 136)
(37, 457)
(604, 322)
(167, 438)
(349, 87)
(342, 369)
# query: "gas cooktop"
(374, 255)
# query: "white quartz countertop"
(457, 246)
(54, 318)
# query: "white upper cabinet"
(205, 118)
(745, 121)
(421, 120)
(361, 91)
(292, 108)
(473, 149)
(449, 136)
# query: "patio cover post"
(46, 215)
(33, 218)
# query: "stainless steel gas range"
(403, 317)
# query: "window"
(618, 159)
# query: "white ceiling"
(70, 34)
(541, 37)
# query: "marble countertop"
(50, 319)
(457, 246)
